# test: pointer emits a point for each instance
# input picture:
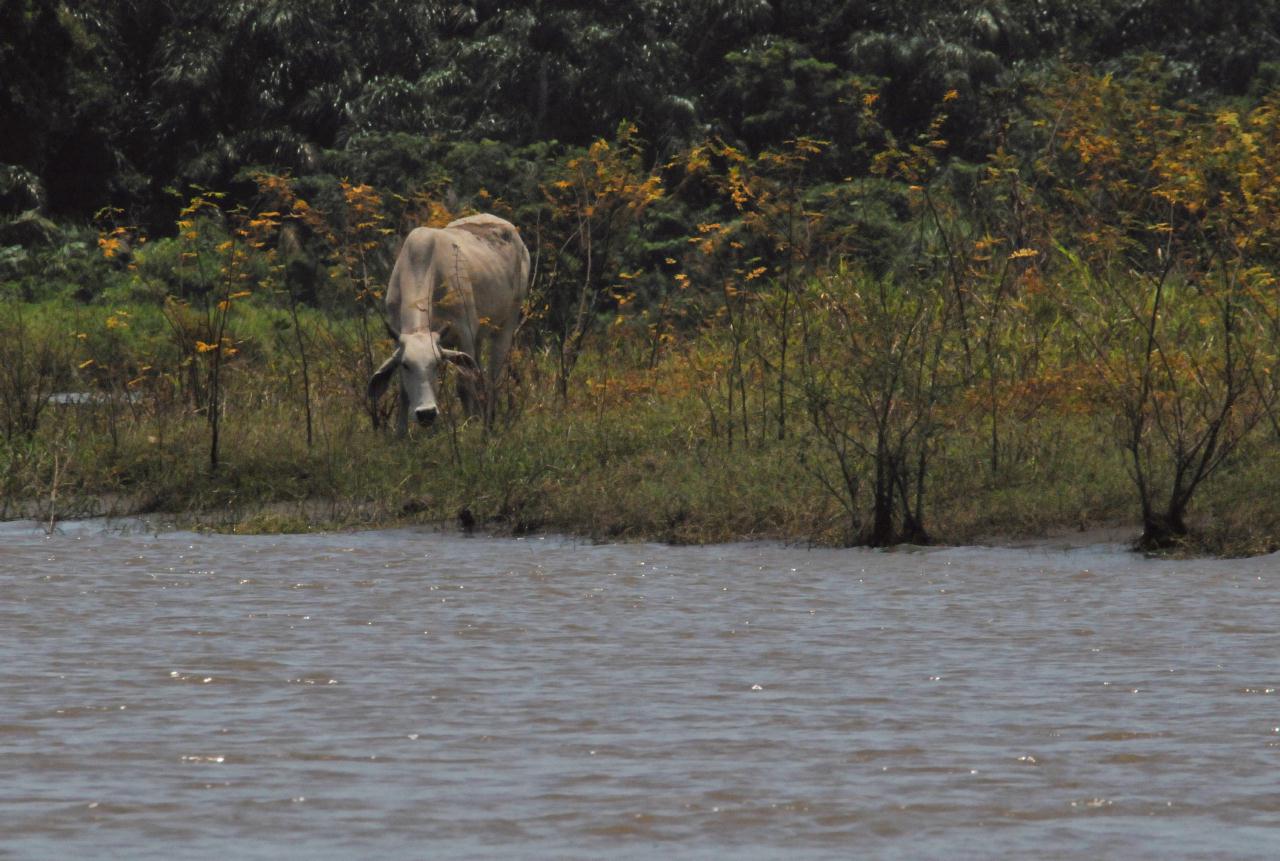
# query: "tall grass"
(635, 451)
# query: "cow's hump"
(490, 228)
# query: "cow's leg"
(498, 352)
(470, 388)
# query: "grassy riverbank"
(634, 452)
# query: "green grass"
(632, 455)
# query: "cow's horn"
(460, 358)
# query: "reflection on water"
(411, 694)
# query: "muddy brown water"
(412, 694)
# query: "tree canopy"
(113, 103)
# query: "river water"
(412, 694)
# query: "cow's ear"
(382, 377)
(462, 360)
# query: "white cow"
(451, 291)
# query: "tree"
(879, 359)
(591, 209)
(1175, 211)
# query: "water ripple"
(405, 692)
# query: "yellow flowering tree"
(590, 206)
(227, 256)
(1175, 212)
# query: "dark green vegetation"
(110, 103)
(853, 272)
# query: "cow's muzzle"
(426, 416)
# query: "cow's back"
(473, 271)
(497, 263)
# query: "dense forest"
(873, 272)
(112, 103)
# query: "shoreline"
(304, 517)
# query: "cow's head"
(420, 358)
